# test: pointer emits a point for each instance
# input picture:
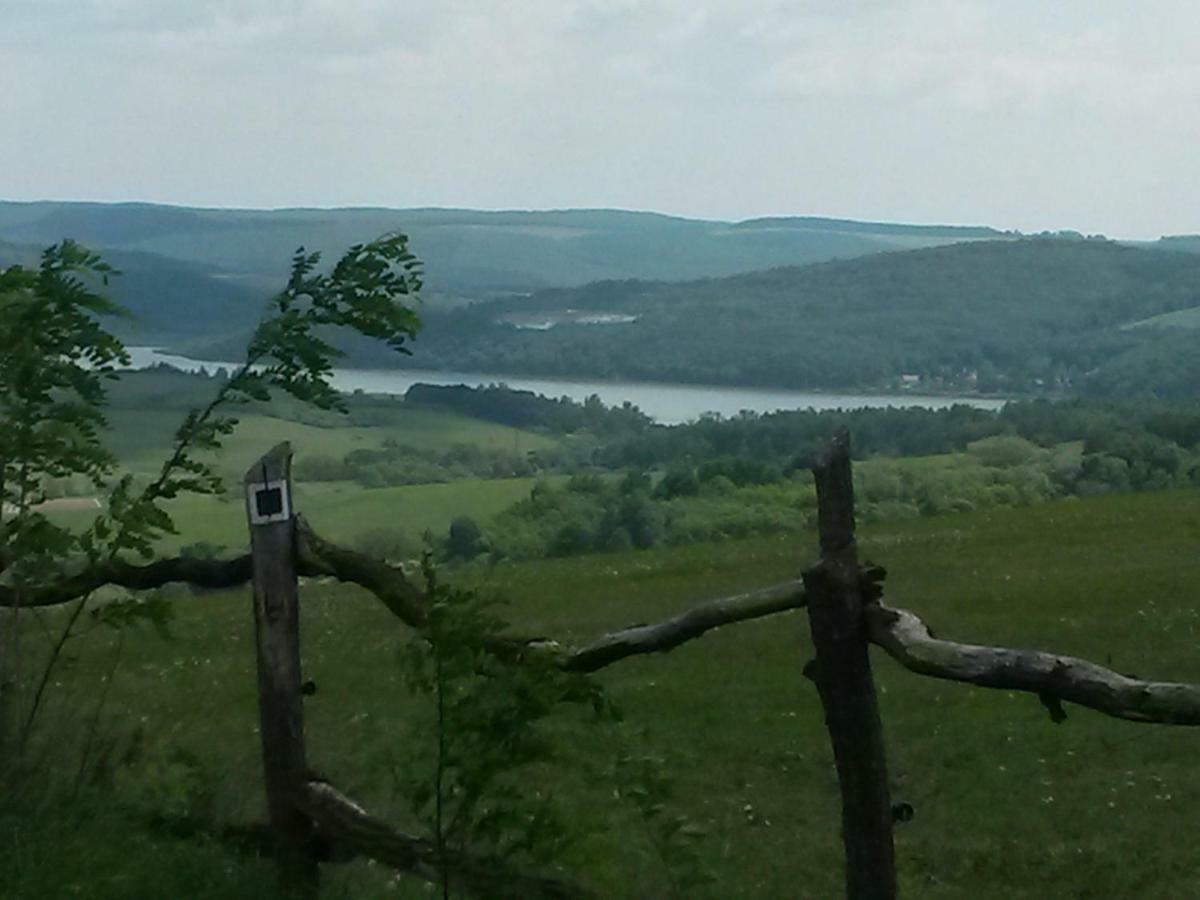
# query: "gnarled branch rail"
(206, 573)
(639, 639)
(340, 819)
(907, 640)
(318, 556)
(899, 632)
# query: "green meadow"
(140, 439)
(343, 511)
(148, 407)
(1007, 803)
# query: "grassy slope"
(341, 509)
(1008, 804)
(1027, 308)
(344, 511)
(149, 407)
(140, 439)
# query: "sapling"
(478, 770)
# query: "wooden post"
(277, 631)
(843, 677)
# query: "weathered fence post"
(277, 631)
(843, 677)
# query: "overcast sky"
(1014, 113)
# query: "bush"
(465, 539)
(1005, 450)
(680, 481)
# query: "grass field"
(339, 510)
(149, 407)
(141, 439)
(1007, 803)
(343, 511)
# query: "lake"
(670, 404)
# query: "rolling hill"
(787, 301)
(470, 253)
(168, 299)
(1022, 315)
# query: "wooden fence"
(312, 822)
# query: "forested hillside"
(1189, 243)
(1028, 315)
(980, 311)
(470, 253)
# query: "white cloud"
(965, 110)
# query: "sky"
(1029, 114)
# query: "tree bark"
(205, 573)
(1051, 676)
(845, 684)
(277, 633)
(689, 625)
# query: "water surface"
(669, 404)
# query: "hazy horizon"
(564, 209)
(1024, 116)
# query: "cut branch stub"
(277, 636)
(835, 495)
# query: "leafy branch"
(287, 352)
(54, 359)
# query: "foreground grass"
(1007, 803)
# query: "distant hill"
(169, 300)
(844, 226)
(785, 301)
(1187, 243)
(469, 253)
(1028, 315)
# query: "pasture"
(140, 439)
(1007, 803)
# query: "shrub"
(1005, 450)
(464, 540)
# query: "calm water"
(666, 403)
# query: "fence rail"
(847, 613)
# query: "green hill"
(468, 252)
(1188, 243)
(168, 299)
(799, 302)
(997, 315)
